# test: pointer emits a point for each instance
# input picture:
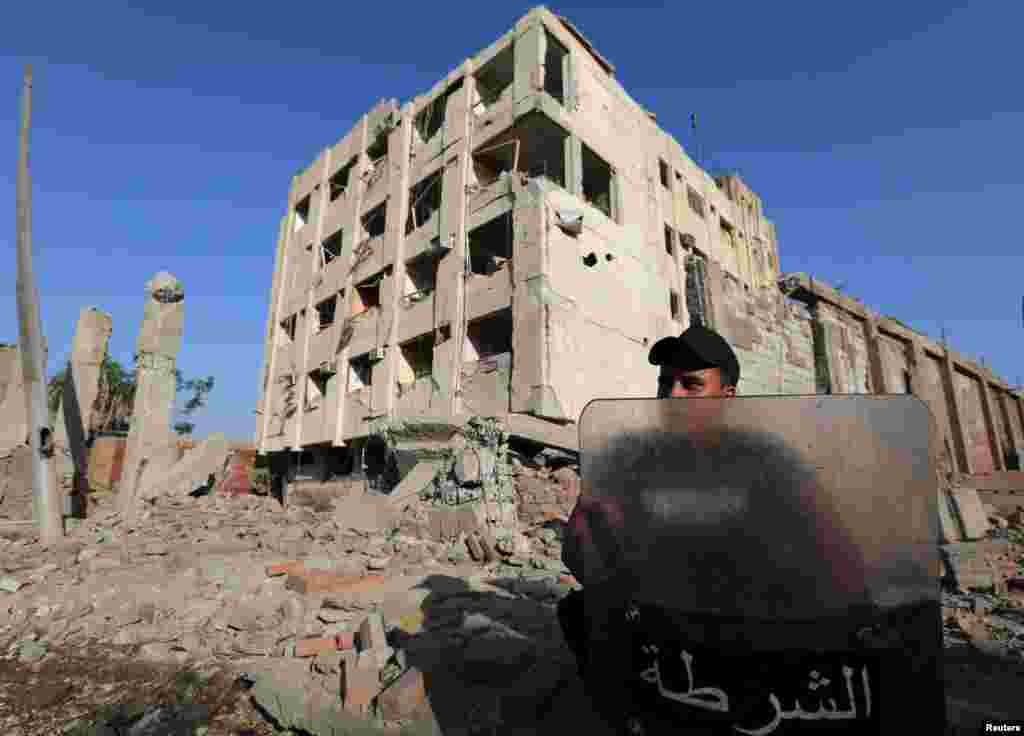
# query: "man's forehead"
(680, 372)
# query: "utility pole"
(45, 496)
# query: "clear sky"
(884, 139)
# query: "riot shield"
(763, 565)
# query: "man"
(698, 363)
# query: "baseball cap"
(698, 347)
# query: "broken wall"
(13, 420)
(975, 428)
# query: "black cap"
(697, 348)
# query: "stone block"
(313, 647)
(329, 582)
(285, 568)
(972, 513)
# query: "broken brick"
(313, 647)
(345, 641)
(285, 568)
(329, 582)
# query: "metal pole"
(45, 497)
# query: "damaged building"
(510, 245)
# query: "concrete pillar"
(995, 441)
(876, 358)
(826, 366)
(529, 302)
(156, 360)
(88, 349)
(266, 404)
(385, 372)
(529, 51)
(1007, 405)
(956, 418)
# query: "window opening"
(368, 295)
(339, 182)
(696, 201)
(540, 151)
(669, 240)
(420, 277)
(494, 79)
(331, 248)
(302, 213)
(663, 171)
(488, 337)
(287, 331)
(316, 389)
(490, 245)
(375, 221)
(673, 306)
(379, 148)
(597, 182)
(325, 312)
(908, 387)
(424, 200)
(554, 68)
(418, 356)
(431, 118)
(590, 260)
(361, 374)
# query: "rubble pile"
(983, 588)
(332, 617)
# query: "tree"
(200, 389)
(115, 398)
(54, 392)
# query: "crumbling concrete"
(88, 349)
(156, 351)
(13, 422)
(203, 465)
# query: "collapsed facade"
(511, 244)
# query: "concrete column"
(323, 196)
(956, 417)
(529, 59)
(876, 359)
(995, 442)
(385, 372)
(826, 366)
(1007, 405)
(454, 225)
(88, 348)
(269, 388)
(529, 302)
(13, 419)
(155, 388)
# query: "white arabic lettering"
(822, 713)
(695, 697)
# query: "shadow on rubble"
(489, 658)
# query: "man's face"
(682, 383)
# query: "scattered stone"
(313, 647)
(10, 585)
(378, 563)
(329, 582)
(332, 616)
(155, 549)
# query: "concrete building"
(511, 243)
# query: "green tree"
(197, 391)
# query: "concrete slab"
(972, 513)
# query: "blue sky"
(884, 138)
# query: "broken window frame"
(326, 312)
(301, 212)
(417, 294)
(315, 379)
(696, 201)
(416, 194)
(502, 319)
(330, 249)
(487, 149)
(479, 249)
(556, 51)
(487, 96)
(374, 283)
(360, 366)
(670, 240)
(378, 213)
(432, 118)
(611, 212)
(419, 371)
(377, 151)
(341, 179)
